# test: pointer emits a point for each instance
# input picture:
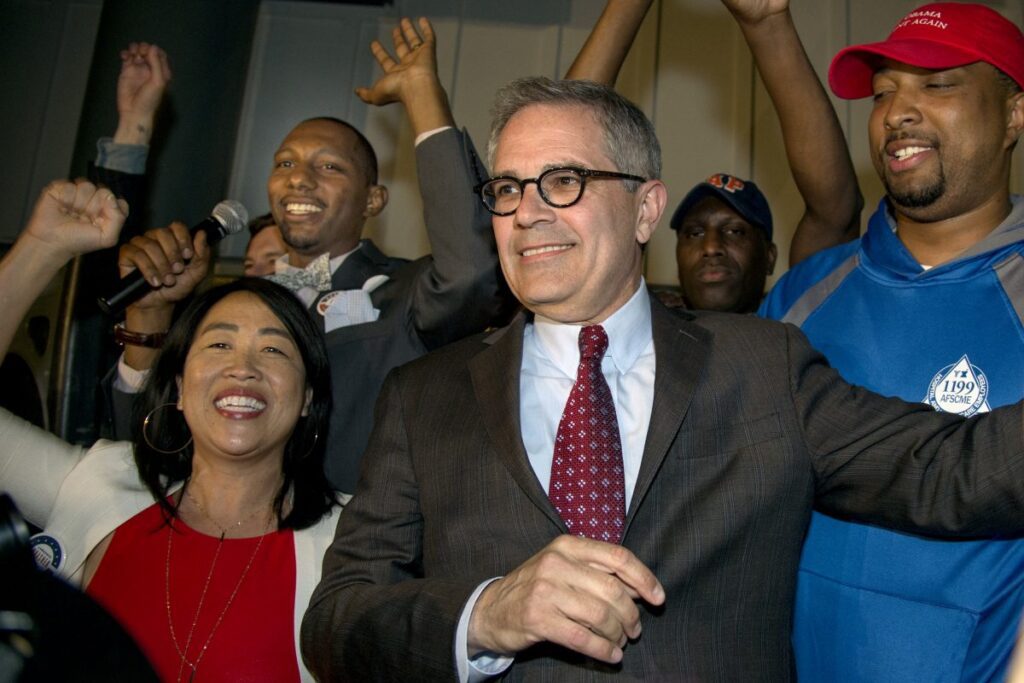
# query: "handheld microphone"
(227, 218)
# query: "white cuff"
(484, 665)
(423, 136)
(129, 380)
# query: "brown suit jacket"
(750, 427)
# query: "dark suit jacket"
(749, 428)
(455, 291)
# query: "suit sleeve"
(117, 409)
(372, 617)
(904, 465)
(130, 187)
(462, 291)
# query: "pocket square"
(347, 307)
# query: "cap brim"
(703, 190)
(853, 69)
(692, 197)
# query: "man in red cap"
(927, 306)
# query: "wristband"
(151, 340)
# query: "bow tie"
(317, 275)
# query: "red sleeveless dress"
(255, 637)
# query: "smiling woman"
(204, 535)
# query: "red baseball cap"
(942, 35)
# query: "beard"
(297, 240)
(917, 197)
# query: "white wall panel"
(701, 111)
(689, 69)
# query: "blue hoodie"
(876, 605)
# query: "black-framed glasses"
(558, 187)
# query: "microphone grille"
(232, 215)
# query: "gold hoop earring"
(149, 442)
(312, 447)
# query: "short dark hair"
(1011, 86)
(303, 466)
(363, 147)
(258, 224)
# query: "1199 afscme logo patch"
(960, 388)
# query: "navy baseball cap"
(742, 196)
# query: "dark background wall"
(210, 44)
(194, 141)
(59, 67)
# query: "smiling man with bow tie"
(377, 311)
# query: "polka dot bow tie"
(316, 275)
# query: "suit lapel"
(359, 267)
(495, 376)
(680, 350)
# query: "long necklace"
(182, 653)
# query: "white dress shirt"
(551, 356)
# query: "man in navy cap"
(724, 250)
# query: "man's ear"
(1014, 119)
(652, 200)
(773, 254)
(376, 200)
(307, 402)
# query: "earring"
(149, 442)
(312, 447)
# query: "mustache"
(897, 135)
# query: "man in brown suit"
(452, 560)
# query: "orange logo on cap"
(726, 182)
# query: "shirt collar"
(283, 264)
(628, 330)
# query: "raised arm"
(145, 73)
(820, 160)
(68, 219)
(174, 264)
(458, 290)
(121, 160)
(410, 77)
(605, 49)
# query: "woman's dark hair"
(303, 465)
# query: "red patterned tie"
(587, 486)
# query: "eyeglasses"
(558, 187)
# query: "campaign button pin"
(325, 303)
(47, 551)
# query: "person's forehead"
(265, 240)
(548, 135)
(242, 309)
(890, 66)
(321, 134)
